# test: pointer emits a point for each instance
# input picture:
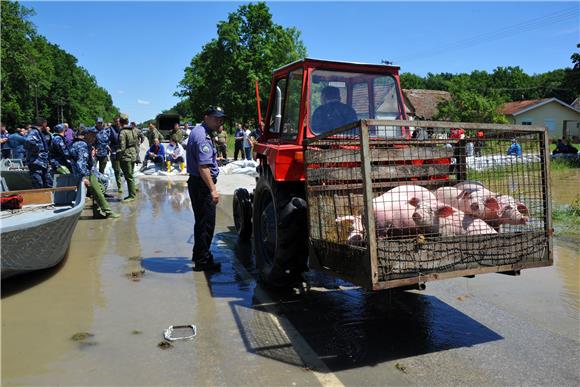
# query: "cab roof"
(338, 65)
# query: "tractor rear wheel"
(280, 236)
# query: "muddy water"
(126, 280)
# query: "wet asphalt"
(125, 281)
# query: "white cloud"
(142, 102)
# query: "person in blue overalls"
(59, 154)
(84, 167)
(37, 146)
(102, 144)
(203, 172)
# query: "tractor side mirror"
(278, 112)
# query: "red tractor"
(278, 209)
(336, 138)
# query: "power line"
(505, 32)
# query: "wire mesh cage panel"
(389, 202)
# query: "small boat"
(38, 235)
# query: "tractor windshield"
(338, 98)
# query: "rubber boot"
(181, 167)
(168, 166)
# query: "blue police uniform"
(59, 153)
(6, 149)
(102, 144)
(81, 158)
(201, 151)
(16, 142)
(37, 146)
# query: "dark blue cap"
(215, 111)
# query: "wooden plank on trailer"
(392, 154)
(378, 172)
(369, 217)
(390, 284)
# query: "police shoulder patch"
(205, 148)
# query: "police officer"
(84, 167)
(37, 146)
(59, 153)
(127, 156)
(203, 171)
(102, 144)
(115, 131)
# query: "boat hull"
(38, 242)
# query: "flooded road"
(127, 280)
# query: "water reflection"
(38, 321)
(348, 328)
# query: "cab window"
(291, 114)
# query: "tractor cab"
(311, 97)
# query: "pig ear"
(492, 204)
(414, 202)
(522, 208)
(445, 211)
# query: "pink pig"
(449, 221)
(472, 198)
(400, 207)
(511, 212)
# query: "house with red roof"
(422, 104)
(561, 119)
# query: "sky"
(138, 50)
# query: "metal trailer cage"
(497, 220)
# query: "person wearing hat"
(201, 156)
(59, 154)
(37, 147)
(127, 155)
(84, 167)
(102, 141)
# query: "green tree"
(411, 81)
(249, 46)
(468, 106)
(39, 78)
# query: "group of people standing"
(84, 154)
(245, 140)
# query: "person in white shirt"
(175, 154)
(247, 143)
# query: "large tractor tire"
(243, 213)
(280, 232)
